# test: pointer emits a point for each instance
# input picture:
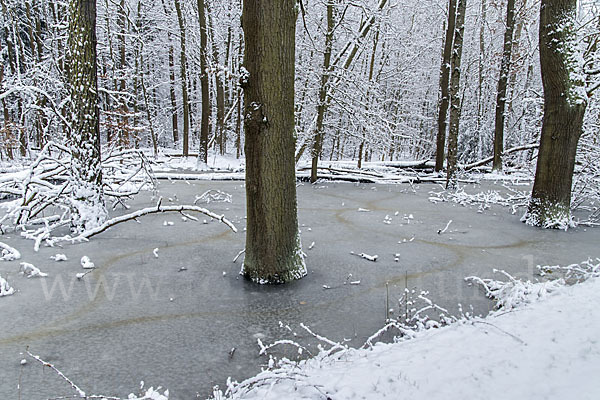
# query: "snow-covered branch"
(140, 213)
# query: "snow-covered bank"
(546, 349)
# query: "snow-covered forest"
(388, 176)
(384, 83)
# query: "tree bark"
(455, 108)
(502, 85)
(565, 101)
(482, 59)
(273, 250)
(204, 89)
(444, 87)
(88, 209)
(124, 138)
(239, 96)
(220, 133)
(174, 123)
(184, 78)
(323, 89)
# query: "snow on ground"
(170, 160)
(547, 349)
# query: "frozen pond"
(141, 317)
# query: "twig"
(518, 339)
(52, 367)
(239, 254)
(440, 231)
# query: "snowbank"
(545, 349)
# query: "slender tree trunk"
(360, 152)
(354, 45)
(219, 88)
(9, 42)
(153, 135)
(184, 78)
(482, 59)
(36, 56)
(502, 84)
(323, 89)
(455, 106)
(124, 138)
(239, 95)
(565, 101)
(174, 114)
(227, 87)
(204, 88)
(238, 125)
(273, 250)
(88, 210)
(6, 124)
(444, 86)
(174, 122)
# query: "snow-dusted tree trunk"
(88, 209)
(184, 78)
(172, 82)
(502, 85)
(565, 100)
(323, 89)
(273, 251)
(444, 87)
(220, 131)
(124, 127)
(204, 89)
(455, 106)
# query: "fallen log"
(479, 163)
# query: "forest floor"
(166, 304)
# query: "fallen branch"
(5, 289)
(146, 211)
(440, 231)
(366, 256)
(8, 253)
(150, 393)
(60, 374)
(346, 171)
(506, 152)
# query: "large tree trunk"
(184, 78)
(273, 250)
(205, 118)
(565, 100)
(88, 209)
(455, 107)
(502, 84)
(444, 87)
